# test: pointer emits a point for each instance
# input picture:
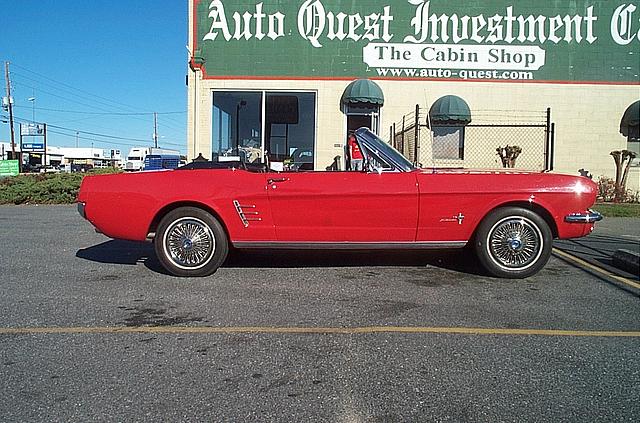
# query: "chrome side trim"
(246, 216)
(590, 217)
(428, 245)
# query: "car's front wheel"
(190, 242)
(513, 242)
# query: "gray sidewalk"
(610, 235)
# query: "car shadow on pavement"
(123, 252)
(132, 253)
(460, 261)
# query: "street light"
(33, 104)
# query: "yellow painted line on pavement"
(600, 270)
(311, 330)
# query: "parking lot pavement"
(91, 329)
(602, 247)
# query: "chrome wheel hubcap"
(515, 242)
(189, 243)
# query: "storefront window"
(237, 125)
(288, 127)
(448, 142)
(448, 116)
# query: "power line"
(40, 90)
(87, 96)
(94, 134)
(93, 106)
(100, 141)
(103, 113)
(121, 105)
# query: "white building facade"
(277, 79)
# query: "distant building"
(97, 157)
(5, 150)
(55, 156)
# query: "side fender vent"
(247, 213)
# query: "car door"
(344, 206)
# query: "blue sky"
(100, 67)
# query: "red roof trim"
(351, 78)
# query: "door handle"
(274, 180)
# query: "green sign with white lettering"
(588, 41)
(9, 167)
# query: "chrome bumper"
(590, 217)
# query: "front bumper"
(590, 217)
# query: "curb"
(598, 270)
(627, 260)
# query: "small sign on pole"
(32, 130)
(32, 146)
(9, 168)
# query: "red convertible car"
(196, 213)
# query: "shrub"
(607, 192)
(42, 188)
(606, 189)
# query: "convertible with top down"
(196, 213)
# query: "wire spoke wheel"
(189, 243)
(515, 242)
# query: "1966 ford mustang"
(196, 213)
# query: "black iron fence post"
(402, 143)
(534, 139)
(552, 146)
(547, 144)
(417, 135)
(392, 139)
(393, 130)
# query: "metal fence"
(494, 139)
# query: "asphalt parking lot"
(92, 330)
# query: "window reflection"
(237, 126)
(289, 127)
(448, 142)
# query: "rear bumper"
(590, 217)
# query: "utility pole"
(10, 105)
(155, 129)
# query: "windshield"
(133, 158)
(380, 147)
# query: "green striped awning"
(363, 91)
(450, 108)
(630, 118)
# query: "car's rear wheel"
(513, 242)
(190, 242)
